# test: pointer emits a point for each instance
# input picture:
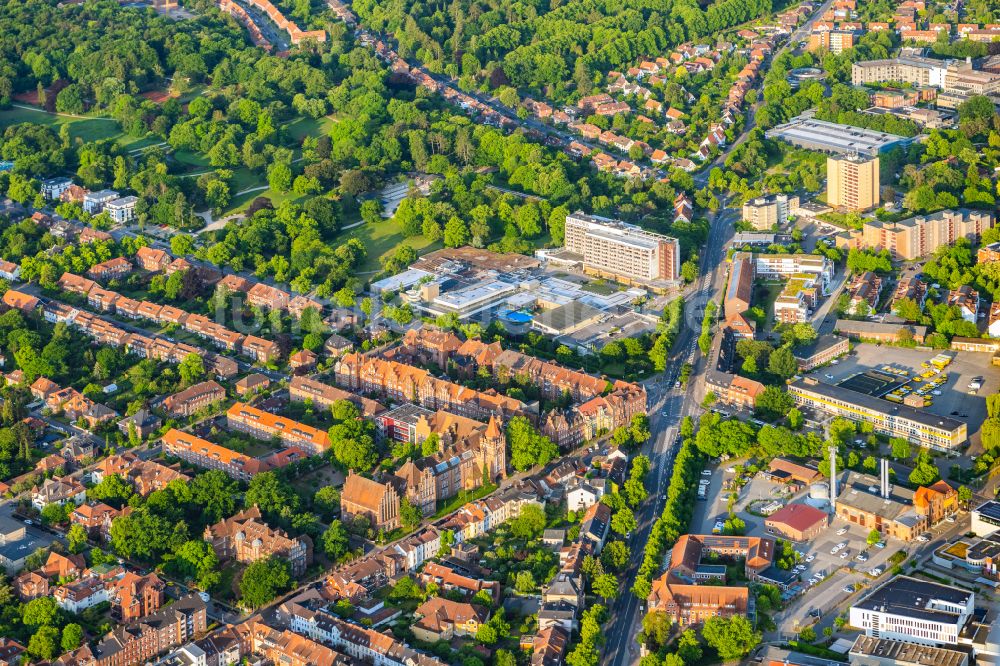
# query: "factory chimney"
(833, 480)
(885, 478)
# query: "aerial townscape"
(481, 333)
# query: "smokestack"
(885, 478)
(833, 480)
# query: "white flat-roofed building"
(986, 519)
(835, 138)
(475, 298)
(404, 280)
(788, 265)
(52, 188)
(122, 210)
(94, 202)
(915, 611)
(621, 250)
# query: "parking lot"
(954, 400)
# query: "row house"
(864, 292)
(264, 425)
(402, 382)
(285, 647)
(185, 403)
(246, 538)
(966, 299)
(157, 348)
(360, 643)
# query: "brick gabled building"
(469, 453)
(379, 502)
(246, 538)
(403, 382)
(95, 519)
(133, 596)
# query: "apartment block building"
(766, 212)
(894, 420)
(402, 382)
(264, 425)
(190, 400)
(209, 455)
(913, 70)
(773, 266)
(921, 235)
(303, 389)
(852, 182)
(834, 41)
(622, 251)
(246, 538)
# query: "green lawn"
(382, 239)
(302, 127)
(88, 129)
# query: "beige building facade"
(852, 182)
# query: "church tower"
(493, 450)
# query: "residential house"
(302, 361)
(17, 300)
(267, 297)
(58, 491)
(112, 268)
(95, 518)
(152, 260)
(9, 270)
(144, 423)
(252, 383)
(442, 619)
